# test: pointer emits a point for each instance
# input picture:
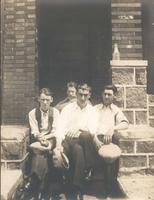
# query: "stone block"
(133, 161)
(122, 76)
(14, 141)
(126, 146)
(13, 165)
(119, 100)
(151, 98)
(151, 161)
(130, 116)
(151, 110)
(151, 122)
(140, 77)
(136, 97)
(141, 117)
(145, 146)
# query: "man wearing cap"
(43, 123)
(110, 120)
(76, 119)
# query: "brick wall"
(19, 59)
(126, 28)
(151, 110)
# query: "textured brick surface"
(122, 76)
(136, 98)
(151, 110)
(140, 77)
(130, 116)
(133, 161)
(151, 98)
(151, 161)
(127, 146)
(119, 100)
(141, 117)
(151, 122)
(145, 147)
(19, 77)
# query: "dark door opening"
(74, 44)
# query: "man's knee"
(85, 136)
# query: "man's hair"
(84, 86)
(111, 87)
(46, 91)
(71, 84)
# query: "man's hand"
(97, 142)
(72, 133)
(108, 136)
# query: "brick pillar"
(127, 28)
(19, 59)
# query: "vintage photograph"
(77, 99)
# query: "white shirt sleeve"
(93, 119)
(55, 120)
(33, 123)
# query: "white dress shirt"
(108, 117)
(73, 118)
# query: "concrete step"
(10, 180)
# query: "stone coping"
(129, 63)
(137, 132)
(10, 180)
(14, 132)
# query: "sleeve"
(55, 120)
(120, 117)
(61, 126)
(33, 123)
(93, 121)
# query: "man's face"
(108, 97)
(71, 92)
(83, 96)
(45, 101)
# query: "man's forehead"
(44, 96)
(71, 88)
(83, 91)
(108, 91)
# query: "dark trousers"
(110, 171)
(81, 153)
(74, 151)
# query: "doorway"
(74, 44)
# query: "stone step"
(10, 180)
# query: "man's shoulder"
(98, 106)
(32, 111)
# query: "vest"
(50, 118)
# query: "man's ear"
(51, 99)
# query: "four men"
(79, 131)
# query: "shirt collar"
(78, 107)
(110, 106)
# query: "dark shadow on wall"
(74, 44)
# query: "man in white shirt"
(76, 119)
(43, 123)
(110, 120)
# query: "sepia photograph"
(77, 99)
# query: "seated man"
(71, 96)
(43, 122)
(75, 119)
(110, 119)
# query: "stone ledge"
(10, 180)
(129, 63)
(137, 132)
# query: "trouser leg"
(86, 141)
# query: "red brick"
(151, 161)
